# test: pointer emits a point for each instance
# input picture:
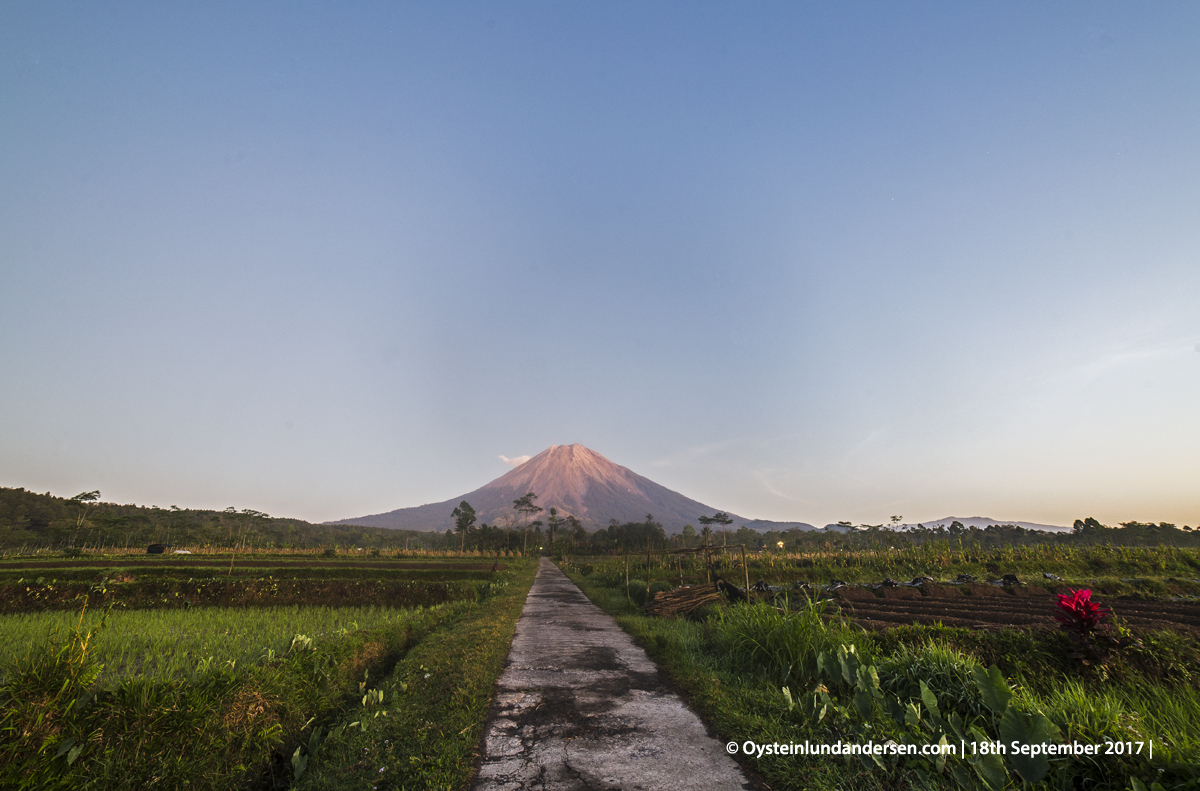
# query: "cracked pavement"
(579, 706)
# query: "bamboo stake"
(627, 578)
(746, 569)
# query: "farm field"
(255, 681)
(247, 580)
(836, 650)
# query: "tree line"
(86, 522)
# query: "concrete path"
(579, 706)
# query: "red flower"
(1084, 614)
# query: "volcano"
(578, 482)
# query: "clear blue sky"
(798, 261)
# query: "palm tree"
(524, 505)
(464, 518)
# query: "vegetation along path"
(579, 706)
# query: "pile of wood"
(681, 601)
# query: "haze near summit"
(805, 263)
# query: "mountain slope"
(573, 479)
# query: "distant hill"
(980, 522)
(577, 481)
(985, 521)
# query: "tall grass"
(781, 644)
(1172, 715)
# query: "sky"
(797, 261)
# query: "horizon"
(887, 524)
(732, 527)
(804, 263)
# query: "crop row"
(101, 576)
(247, 561)
(232, 592)
(939, 560)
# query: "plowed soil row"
(997, 609)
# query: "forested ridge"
(43, 519)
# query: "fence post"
(746, 569)
(647, 575)
(627, 577)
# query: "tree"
(578, 531)
(689, 535)
(524, 505)
(896, 520)
(464, 519)
(553, 522)
(719, 518)
(84, 500)
(251, 520)
(506, 529)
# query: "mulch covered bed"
(991, 607)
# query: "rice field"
(178, 645)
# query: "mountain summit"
(575, 480)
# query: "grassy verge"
(917, 685)
(419, 727)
